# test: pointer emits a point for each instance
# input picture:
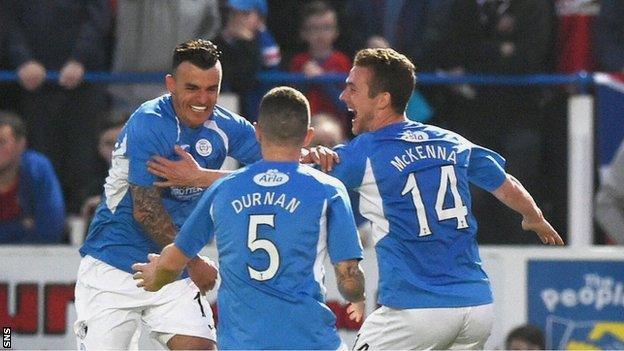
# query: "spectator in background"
(247, 48)
(328, 131)
(319, 29)
(8, 90)
(499, 37)
(70, 37)
(399, 24)
(92, 194)
(526, 337)
(31, 204)
(610, 199)
(146, 33)
(610, 36)
(574, 47)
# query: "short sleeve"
(486, 168)
(343, 241)
(145, 136)
(352, 164)
(244, 146)
(198, 229)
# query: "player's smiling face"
(359, 103)
(194, 91)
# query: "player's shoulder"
(323, 180)
(430, 132)
(154, 113)
(224, 116)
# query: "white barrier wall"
(36, 289)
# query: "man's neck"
(387, 118)
(278, 153)
(8, 177)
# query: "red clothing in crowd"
(574, 42)
(9, 203)
(320, 100)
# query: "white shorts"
(460, 328)
(110, 309)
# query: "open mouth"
(351, 113)
(198, 108)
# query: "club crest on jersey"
(272, 177)
(203, 147)
(414, 137)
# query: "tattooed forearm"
(350, 279)
(150, 212)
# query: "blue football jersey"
(274, 222)
(413, 181)
(114, 236)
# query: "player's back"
(413, 182)
(271, 225)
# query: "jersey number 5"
(262, 244)
(458, 211)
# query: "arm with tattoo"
(350, 280)
(151, 214)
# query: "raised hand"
(184, 172)
(323, 156)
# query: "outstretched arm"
(350, 280)
(516, 197)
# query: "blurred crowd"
(56, 135)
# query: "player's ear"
(258, 132)
(384, 100)
(170, 83)
(309, 136)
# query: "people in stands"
(70, 37)
(610, 36)
(610, 199)
(92, 193)
(146, 33)
(247, 48)
(32, 210)
(319, 30)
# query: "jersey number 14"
(458, 211)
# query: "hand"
(71, 74)
(203, 272)
(312, 69)
(322, 156)
(544, 230)
(184, 172)
(31, 74)
(355, 311)
(146, 273)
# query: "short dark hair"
(284, 116)
(15, 122)
(392, 72)
(200, 52)
(315, 8)
(528, 333)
